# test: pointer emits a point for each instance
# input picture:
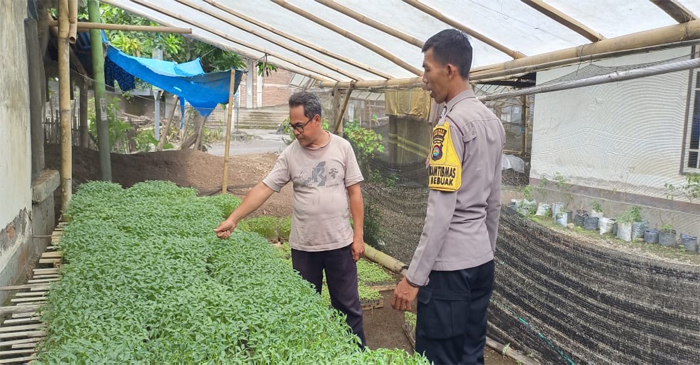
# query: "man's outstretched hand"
(224, 229)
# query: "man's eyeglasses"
(300, 127)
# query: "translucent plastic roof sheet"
(511, 23)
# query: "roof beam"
(222, 45)
(272, 40)
(438, 15)
(299, 40)
(564, 20)
(372, 23)
(676, 10)
(639, 42)
(230, 38)
(351, 36)
(85, 26)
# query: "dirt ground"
(203, 171)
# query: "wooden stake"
(164, 136)
(229, 120)
(339, 121)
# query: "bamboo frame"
(85, 26)
(164, 136)
(636, 42)
(339, 122)
(298, 40)
(230, 38)
(438, 15)
(72, 20)
(226, 46)
(371, 22)
(676, 10)
(350, 36)
(564, 20)
(229, 120)
(252, 31)
(64, 103)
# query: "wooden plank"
(25, 286)
(45, 271)
(50, 276)
(51, 255)
(24, 315)
(26, 327)
(16, 352)
(383, 287)
(49, 261)
(22, 320)
(40, 288)
(30, 345)
(28, 300)
(23, 334)
(31, 294)
(19, 309)
(37, 281)
(20, 341)
(17, 359)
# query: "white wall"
(15, 146)
(625, 136)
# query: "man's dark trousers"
(341, 276)
(451, 322)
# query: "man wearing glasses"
(326, 180)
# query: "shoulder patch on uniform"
(445, 173)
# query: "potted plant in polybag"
(626, 222)
(667, 235)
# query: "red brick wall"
(276, 89)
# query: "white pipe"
(602, 79)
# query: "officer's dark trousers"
(341, 276)
(451, 323)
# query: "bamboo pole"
(164, 136)
(232, 39)
(98, 70)
(385, 260)
(270, 39)
(375, 48)
(659, 38)
(564, 20)
(72, 20)
(602, 79)
(339, 121)
(675, 10)
(525, 111)
(86, 26)
(229, 117)
(372, 23)
(84, 137)
(440, 16)
(298, 40)
(64, 104)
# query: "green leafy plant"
(145, 280)
(667, 228)
(542, 187)
(371, 274)
(691, 189)
(264, 226)
(118, 130)
(527, 192)
(596, 206)
(630, 216)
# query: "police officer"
(452, 270)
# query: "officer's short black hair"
(451, 46)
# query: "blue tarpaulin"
(187, 80)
